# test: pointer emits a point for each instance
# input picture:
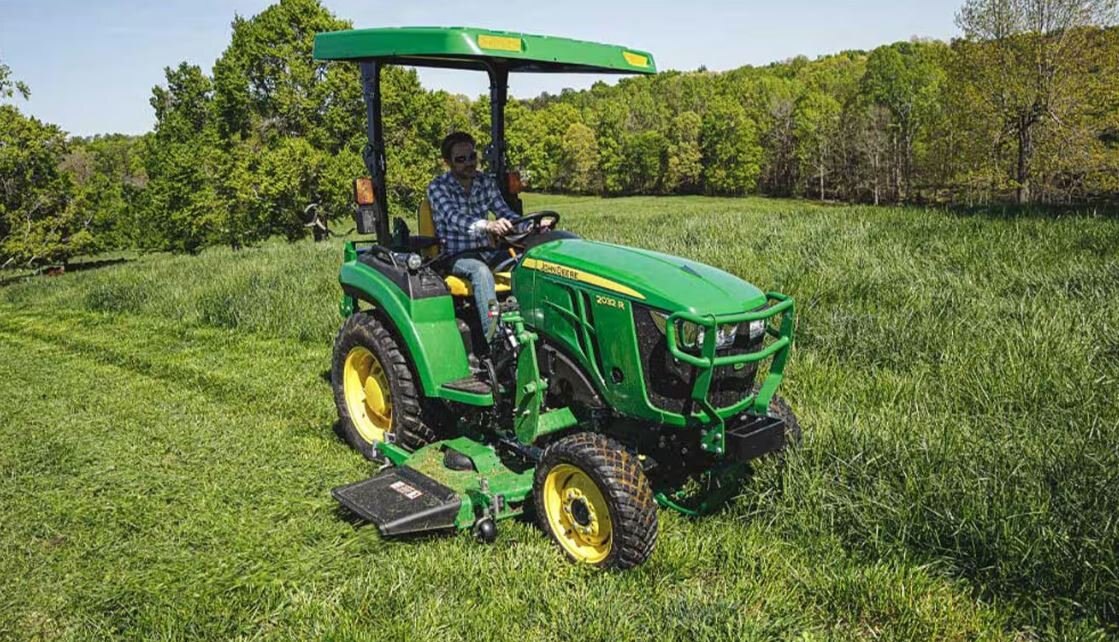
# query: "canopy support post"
(496, 158)
(374, 151)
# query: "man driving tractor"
(460, 200)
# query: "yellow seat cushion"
(461, 287)
(426, 225)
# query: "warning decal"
(404, 489)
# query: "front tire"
(780, 409)
(374, 389)
(593, 499)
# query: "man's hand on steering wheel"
(505, 233)
(499, 227)
(530, 224)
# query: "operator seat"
(459, 287)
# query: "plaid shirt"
(460, 219)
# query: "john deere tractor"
(617, 379)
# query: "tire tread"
(623, 484)
(408, 426)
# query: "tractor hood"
(658, 280)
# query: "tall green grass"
(166, 449)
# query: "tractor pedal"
(401, 500)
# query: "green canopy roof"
(470, 48)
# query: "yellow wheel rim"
(366, 387)
(577, 514)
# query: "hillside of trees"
(1023, 109)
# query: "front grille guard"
(706, 361)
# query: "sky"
(91, 66)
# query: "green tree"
(267, 82)
(37, 224)
(578, 161)
(10, 87)
(288, 173)
(185, 164)
(684, 172)
(645, 157)
(773, 104)
(1027, 60)
(109, 179)
(906, 80)
(731, 152)
(610, 125)
(817, 124)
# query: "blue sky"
(91, 65)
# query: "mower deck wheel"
(593, 499)
(374, 389)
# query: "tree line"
(1023, 108)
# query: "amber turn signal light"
(364, 194)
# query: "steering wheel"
(535, 223)
(531, 224)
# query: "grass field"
(166, 449)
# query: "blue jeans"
(481, 282)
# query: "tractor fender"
(426, 327)
(559, 369)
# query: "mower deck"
(446, 484)
(400, 501)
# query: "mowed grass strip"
(956, 375)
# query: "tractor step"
(401, 500)
(472, 385)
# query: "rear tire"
(374, 389)
(592, 497)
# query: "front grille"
(669, 382)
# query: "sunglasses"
(472, 156)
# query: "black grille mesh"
(670, 382)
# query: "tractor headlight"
(414, 261)
(724, 338)
(691, 335)
(757, 329)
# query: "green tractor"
(617, 379)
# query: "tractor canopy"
(480, 49)
(497, 53)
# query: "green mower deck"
(424, 493)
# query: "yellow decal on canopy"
(581, 276)
(637, 60)
(500, 43)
